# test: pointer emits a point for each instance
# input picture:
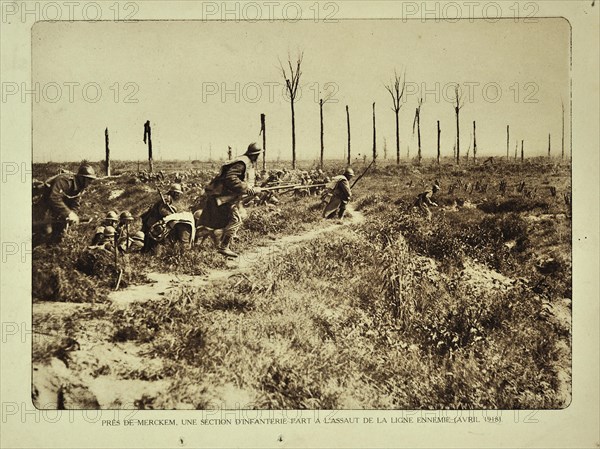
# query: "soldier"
(235, 180)
(158, 211)
(111, 219)
(98, 236)
(133, 244)
(122, 230)
(55, 210)
(338, 195)
(425, 199)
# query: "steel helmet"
(253, 149)
(87, 171)
(349, 172)
(109, 231)
(111, 216)
(125, 217)
(175, 188)
(436, 187)
(138, 236)
(99, 230)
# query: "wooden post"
(229, 153)
(417, 121)
(374, 138)
(474, 143)
(322, 141)
(522, 151)
(516, 149)
(107, 152)
(439, 131)
(549, 145)
(348, 123)
(263, 130)
(148, 139)
(562, 154)
(385, 148)
(507, 140)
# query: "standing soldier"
(424, 200)
(164, 206)
(55, 210)
(235, 180)
(338, 196)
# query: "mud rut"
(95, 373)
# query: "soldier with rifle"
(224, 213)
(55, 208)
(338, 196)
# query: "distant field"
(389, 311)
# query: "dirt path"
(91, 371)
(163, 284)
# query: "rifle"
(362, 174)
(165, 201)
(229, 198)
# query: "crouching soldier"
(104, 241)
(133, 243)
(224, 213)
(337, 195)
(424, 200)
(56, 208)
(166, 205)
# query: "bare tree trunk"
(374, 138)
(507, 140)
(263, 130)
(293, 136)
(106, 152)
(439, 131)
(516, 149)
(549, 145)
(148, 139)
(419, 134)
(522, 151)
(322, 142)
(562, 154)
(457, 136)
(397, 140)
(474, 143)
(385, 148)
(348, 123)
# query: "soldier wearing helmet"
(235, 180)
(111, 219)
(166, 205)
(338, 195)
(425, 199)
(57, 206)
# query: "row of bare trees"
(396, 89)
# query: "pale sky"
(176, 67)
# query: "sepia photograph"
(331, 215)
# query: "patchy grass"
(394, 313)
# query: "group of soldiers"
(220, 218)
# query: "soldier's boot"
(224, 247)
